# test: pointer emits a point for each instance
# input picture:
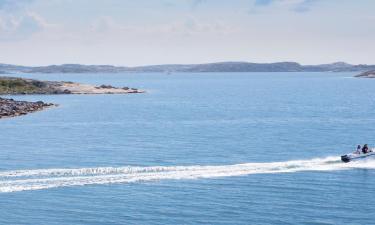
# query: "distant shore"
(190, 68)
(21, 86)
(368, 74)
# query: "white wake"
(24, 180)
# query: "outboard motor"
(345, 158)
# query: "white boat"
(355, 156)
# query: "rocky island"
(368, 74)
(21, 86)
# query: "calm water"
(196, 148)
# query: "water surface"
(211, 141)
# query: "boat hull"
(351, 157)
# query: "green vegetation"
(21, 86)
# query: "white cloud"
(17, 23)
(195, 3)
(13, 4)
(103, 24)
(294, 5)
(14, 28)
(188, 26)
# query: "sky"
(148, 32)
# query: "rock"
(367, 74)
(106, 86)
(10, 107)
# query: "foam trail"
(24, 180)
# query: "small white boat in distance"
(358, 155)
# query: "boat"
(356, 156)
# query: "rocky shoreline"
(22, 86)
(367, 74)
(11, 107)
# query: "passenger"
(365, 149)
(358, 151)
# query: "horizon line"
(166, 64)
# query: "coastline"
(367, 74)
(78, 88)
(12, 108)
(20, 86)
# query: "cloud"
(13, 28)
(304, 6)
(13, 4)
(17, 22)
(103, 24)
(196, 3)
(263, 2)
(294, 5)
(169, 3)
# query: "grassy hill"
(11, 85)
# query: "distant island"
(21, 86)
(367, 74)
(208, 67)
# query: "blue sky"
(128, 32)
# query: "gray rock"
(10, 107)
(367, 74)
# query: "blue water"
(191, 120)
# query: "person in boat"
(365, 149)
(358, 151)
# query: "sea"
(196, 148)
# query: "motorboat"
(357, 155)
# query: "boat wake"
(25, 180)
